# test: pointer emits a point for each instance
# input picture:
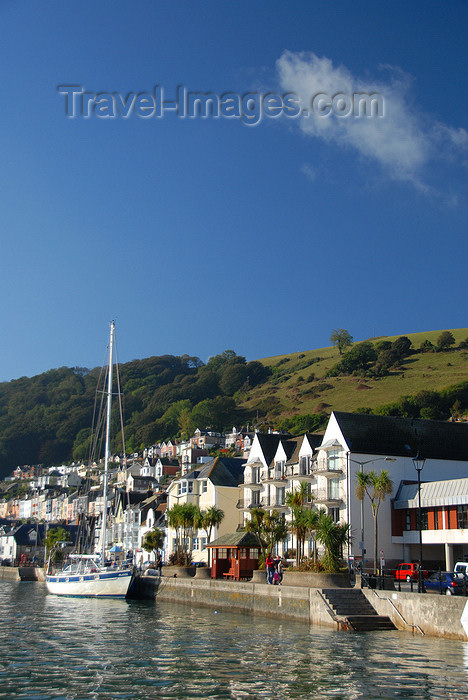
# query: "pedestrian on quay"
(270, 567)
(159, 563)
(279, 569)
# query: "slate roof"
(404, 437)
(224, 471)
(235, 539)
(313, 440)
(433, 493)
(269, 443)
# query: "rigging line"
(122, 430)
(96, 413)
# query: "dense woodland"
(47, 419)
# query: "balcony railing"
(327, 497)
(333, 466)
(252, 482)
(301, 473)
(243, 504)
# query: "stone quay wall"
(287, 602)
(434, 615)
(21, 573)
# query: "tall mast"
(107, 444)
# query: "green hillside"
(300, 385)
(46, 419)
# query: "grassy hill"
(299, 385)
(46, 419)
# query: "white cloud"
(402, 141)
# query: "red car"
(408, 572)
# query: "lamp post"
(418, 462)
(361, 469)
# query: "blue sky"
(199, 235)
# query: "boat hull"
(97, 585)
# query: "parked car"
(408, 572)
(448, 582)
(461, 567)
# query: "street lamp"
(418, 462)
(361, 469)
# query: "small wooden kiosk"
(235, 556)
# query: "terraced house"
(355, 442)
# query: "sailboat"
(89, 575)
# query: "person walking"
(270, 567)
(279, 569)
(159, 564)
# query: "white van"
(461, 567)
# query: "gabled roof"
(313, 441)
(269, 443)
(403, 437)
(224, 471)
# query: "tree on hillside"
(341, 339)
(445, 340)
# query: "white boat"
(89, 575)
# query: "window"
(304, 465)
(423, 525)
(335, 514)
(462, 517)
(204, 486)
(333, 460)
(408, 519)
(334, 488)
(280, 496)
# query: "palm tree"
(296, 501)
(255, 524)
(174, 520)
(313, 517)
(207, 520)
(188, 515)
(274, 529)
(153, 540)
(376, 486)
(333, 536)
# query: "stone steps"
(354, 611)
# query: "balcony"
(273, 504)
(332, 468)
(274, 477)
(300, 473)
(251, 483)
(327, 498)
(243, 504)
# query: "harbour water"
(64, 648)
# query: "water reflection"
(79, 648)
